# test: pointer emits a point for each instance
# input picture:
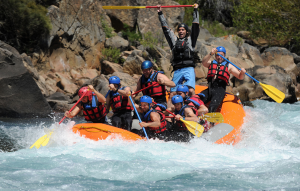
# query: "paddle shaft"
(170, 6)
(143, 89)
(137, 113)
(238, 68)
(144, 7)
(73, 107)
(166, 110)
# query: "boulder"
(21, 97)
(204, 34)
(252, 54)
(109, 67)
(117, 42)
(271, 75)
(278, 56)
(133, 63)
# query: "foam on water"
(268, 157)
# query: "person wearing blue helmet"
(117, 99)
(179, 132)
(194, 100)
(218, 77)
(154, 120)
(182, 50)
(158, 82)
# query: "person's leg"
(217, 97)
(190, 79)
(127, 120)
(205, 98)
(177, 79)
(116, 120)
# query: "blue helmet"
(182, 88)
(114, 80)
(146, 99)
(177, 99)
(221, 49)
(146, 64)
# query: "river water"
(267, 158)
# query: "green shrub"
(274, 20)
(149, 40)
(111, 54)
(108, 30)
(23, 23)
(132, 36)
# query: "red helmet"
(85, 91)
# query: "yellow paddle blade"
(124, 7)
(273, 93)
(194, 127)
(43, 141)
(215, 117)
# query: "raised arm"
(169, 34)
(100, 97)
(195, 26)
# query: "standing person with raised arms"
(218, 76)
(182, 50)
(158, 83)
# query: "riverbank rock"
(20, 95)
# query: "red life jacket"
(180, 125)
(94, 112)
(157, 89)
(163, 122)
(221, 70)
(118, 102)
(194, 101)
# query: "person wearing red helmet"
(218, 76)
(117, 99)
(92, 105)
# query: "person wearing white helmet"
(92, 105)
(218, 76)
(182, 50)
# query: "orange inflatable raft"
(231, 109)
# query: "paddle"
(143, 89)
(144, 7)
(271, 91)
(213, 117)
(43, 141)
(137, 113)
(193, 127)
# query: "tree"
(274, 20)
(23, 23)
